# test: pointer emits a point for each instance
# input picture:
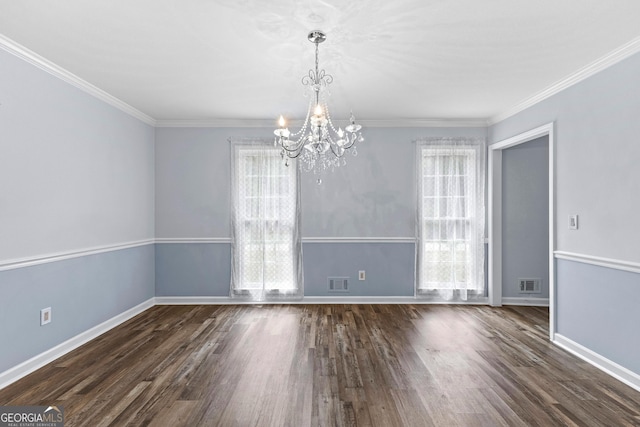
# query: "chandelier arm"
(294, 156)
(334, 151)
(293, 153)
(297, 145)
(351, 141)
(348, 146)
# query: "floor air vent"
(529, 286)
(338, 284)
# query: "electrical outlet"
(361, 275)
(45, 316)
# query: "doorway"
(495, 216)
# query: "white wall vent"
(530, 286)
(338, 284)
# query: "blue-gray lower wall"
(82, 293)
(193, 269)
(599, 308)
(203, 269)
(389, 268)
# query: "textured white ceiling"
(243, 59)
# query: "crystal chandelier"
(318, 144)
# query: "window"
(265, 220)
(451, 224)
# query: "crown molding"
(218, 123)
(371, 123)
(425, 123)
(613, 57)
(44, 64)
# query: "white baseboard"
(620, 373)
(347, 299)
(529, 301)
(306, 300)
(196, 301)
(25, 368)
(338, 299)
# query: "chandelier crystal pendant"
(318, 144)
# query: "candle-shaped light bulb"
(318, 110)
(281, 121)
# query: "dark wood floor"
(299, 365)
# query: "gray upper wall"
(597, 152)
(373, 196)
(76, 173)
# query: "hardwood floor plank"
(174, 415)
(410, 408)
(322, 365)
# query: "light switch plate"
(573, 222)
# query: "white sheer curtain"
(265, 222)
(450, 229)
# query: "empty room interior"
(411, 213)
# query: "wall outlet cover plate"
(45, 316)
